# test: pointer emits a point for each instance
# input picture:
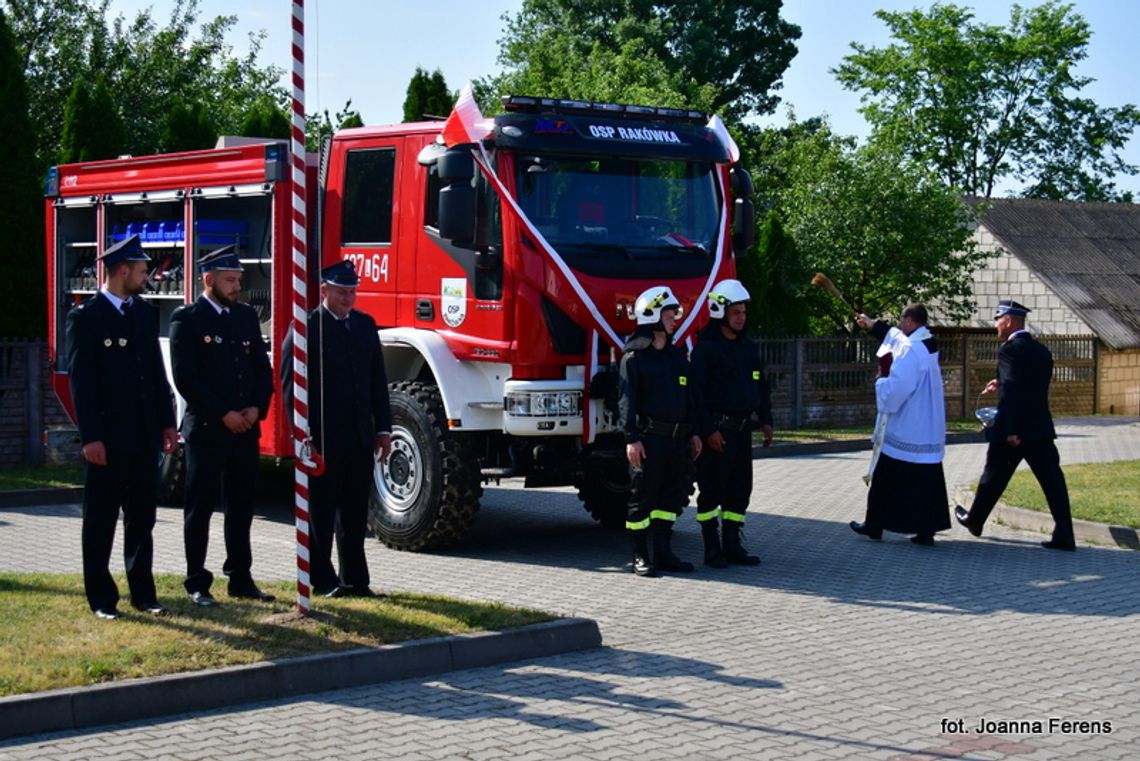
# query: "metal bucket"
(985, 415)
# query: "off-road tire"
(604, 491)
(427, 493)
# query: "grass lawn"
(1105, 492)
(806, 435)
(44, 477)
(50, 639)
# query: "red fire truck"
(502, 272)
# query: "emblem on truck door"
(453, 300)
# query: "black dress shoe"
(154, 608)
(962, 515)
(203, 599)
(863, 530)
(249, 592)
(1052, 544)
(926, 540)
(107, 614)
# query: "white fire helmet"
(723, 295)
(652, 302)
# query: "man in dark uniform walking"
(350, 421)
(125, 414)
(221, 368)
(660, 423)
(1022, 430)
(734, 401)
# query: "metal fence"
(831, 381)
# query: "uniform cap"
(1009, 306)
(223, 259)
(127, 250)
(342, 274)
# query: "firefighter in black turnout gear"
(659, 418)
(735, 400)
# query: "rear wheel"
(427, 493)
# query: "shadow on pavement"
(960, 575)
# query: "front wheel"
(426, 495)
(604, 491)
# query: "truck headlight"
(543, 403)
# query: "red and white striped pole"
(300, 304)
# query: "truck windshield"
(599, 212)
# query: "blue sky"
(368, 50)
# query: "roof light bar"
(529, 104)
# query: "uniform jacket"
(118, 380)
(728, 379)
(348, 387)
(1025, 368)
(654, 383)
(220, 364)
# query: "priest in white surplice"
(908, 486)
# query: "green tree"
(427, 96)
(92, 126)
(320, 126)
(882, 226)
(21, 203)
(148, 66)
(722, 55)
(775, 279)
(981, 103)
(266, 119)
(188, 128)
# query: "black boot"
(734, 551)
(641, 564)
(710, 532)
(663, 556)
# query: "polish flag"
(466, 123)
(721, 131)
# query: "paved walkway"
(836, 647)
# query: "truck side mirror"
(457, 201)
(456, 165)
(457, 213)
(741, 182)
(744, 225)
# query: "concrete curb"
(1031, 520)
(136, 699)
(845, 445)
(63, 495)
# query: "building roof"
(1086, 253)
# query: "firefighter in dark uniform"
(350, 421)
(221, 368)
(1022, 430)
(125, 413)
(660, 423)
(734, 400)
